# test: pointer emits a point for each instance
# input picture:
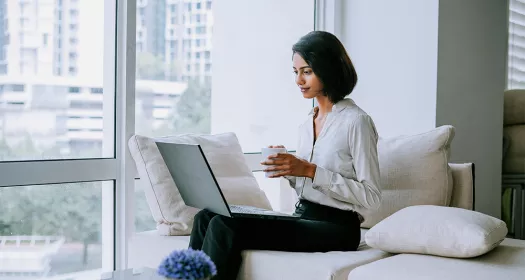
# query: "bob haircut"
(330, 63)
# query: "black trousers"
(320, 229)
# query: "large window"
(221, 68)
(58, 162)
(52, 105)
(79, 77)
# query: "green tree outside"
(149, 67)
(192, 112)
(69, 210)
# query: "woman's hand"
(285, 164)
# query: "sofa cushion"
(225, 157)
(437, 230)
(305, 266)
(414, 171)
(507, 262)
(147, 249)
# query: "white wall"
(422, 64)
(471, 79)
(393, 45)
(253, 87)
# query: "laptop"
(198, 186)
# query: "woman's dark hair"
(330, 63)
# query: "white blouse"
(345, 152)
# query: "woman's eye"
(307, 72)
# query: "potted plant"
(187, 264)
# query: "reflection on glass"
(47, 232)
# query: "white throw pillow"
(437, 230)
(414, 170)
(227, 161)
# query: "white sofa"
(507, 261)
(147, 249)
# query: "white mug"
(267, 152)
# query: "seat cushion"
(414, 171)
(262, 265)
(226, 159)
(147, 249)
(507, 262)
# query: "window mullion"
(125, 127)
(23, 173)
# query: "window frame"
(43, 173)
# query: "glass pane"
(253, 92)
(53, 104)
(62, 229)
(143, 218)
(173, 67)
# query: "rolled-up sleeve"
(363, 190)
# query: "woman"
(335, 172)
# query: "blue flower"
(187, 264)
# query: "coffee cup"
(267, 152)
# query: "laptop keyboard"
(247, 210)
(253, 210)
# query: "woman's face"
(305, 78)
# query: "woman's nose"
(299, 80)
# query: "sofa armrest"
(463, 190)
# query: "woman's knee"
(222, 224)
(203, 215)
